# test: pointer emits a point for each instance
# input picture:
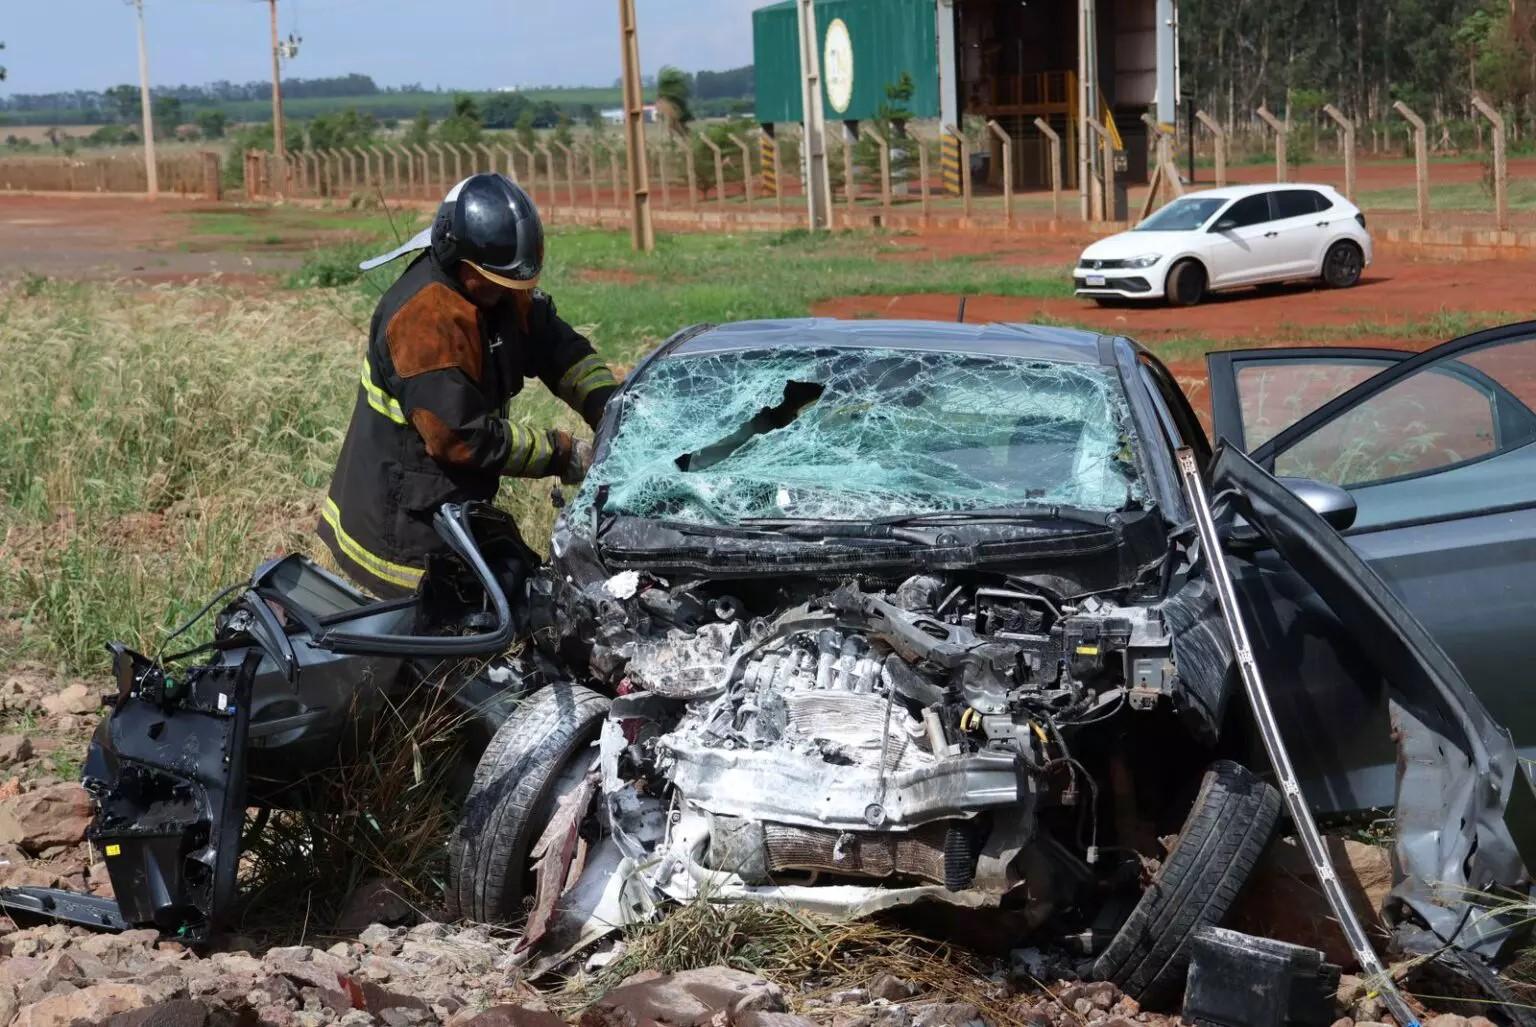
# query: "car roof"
(1019, 341)
(1237, 192)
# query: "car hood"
(1123, 245)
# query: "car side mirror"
(1224, 225)
(1328, 501)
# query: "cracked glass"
(857, 434)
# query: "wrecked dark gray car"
(853, 616)
(864, 615)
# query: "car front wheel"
(1342, 265)
(1224, 835)
(1186, 284)
(539, 755)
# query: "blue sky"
(54, 45)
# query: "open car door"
(1438, 450)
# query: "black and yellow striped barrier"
(767, 166)
(949, 163)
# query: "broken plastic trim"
(451, 522)
(718, 438)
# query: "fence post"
(549, 171)
(405, 183)
(661, 172)
(1054, 148)
(1007, 141)
(922, 173)
(490, 157)
(1107, 145)
(714, 148)
(570, 173)
(613, 174)
(850, 187)
(1219, 145)
(1348, 128)
(444, 183)
(592, 173)
(778, 173)
(693, 178)
(965, 165)
(213, 185)
(533, 167)
(885, 171)
(1281, 172)
(1500, 163)
(426, 171)
(1420, 158)
(746, 167)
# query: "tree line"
(1362, 55)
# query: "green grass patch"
(1451, 196)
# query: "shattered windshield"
(858, 434)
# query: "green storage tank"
(865, 46)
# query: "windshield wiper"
(1021, 512)
(818, 528)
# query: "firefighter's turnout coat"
(430, 423)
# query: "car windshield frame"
(821, 476)
(1151, 225)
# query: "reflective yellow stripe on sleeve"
(380, 400)
(597, 378)
(520, 445)
(394, 573)
(571, 379)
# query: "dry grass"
(160, 443)
(807, 954)
(385, 813)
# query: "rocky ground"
(432, 973)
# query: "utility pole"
(818, 186)
(279, 147)
(152, 176)
(641, 234)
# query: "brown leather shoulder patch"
(435, 329)
(443, 443)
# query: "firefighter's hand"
(578, 464)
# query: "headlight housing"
(1145, 260)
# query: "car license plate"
(1095, 281)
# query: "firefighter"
(450, 345)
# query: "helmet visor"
(504, 281)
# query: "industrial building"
(1008, 60)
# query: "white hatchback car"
(1224, 238)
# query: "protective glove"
(578, 464)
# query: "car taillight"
(1360, 218)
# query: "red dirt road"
(1398, 299)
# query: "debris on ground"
(432, 974)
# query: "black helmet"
(494, 227)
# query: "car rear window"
(1293, 203)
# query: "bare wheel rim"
(1343, 263)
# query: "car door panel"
(1302, 231)
(1244, 253)
(1439, 452)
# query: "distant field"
(381, 105)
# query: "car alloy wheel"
(1342, 265)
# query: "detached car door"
(1439, 452)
